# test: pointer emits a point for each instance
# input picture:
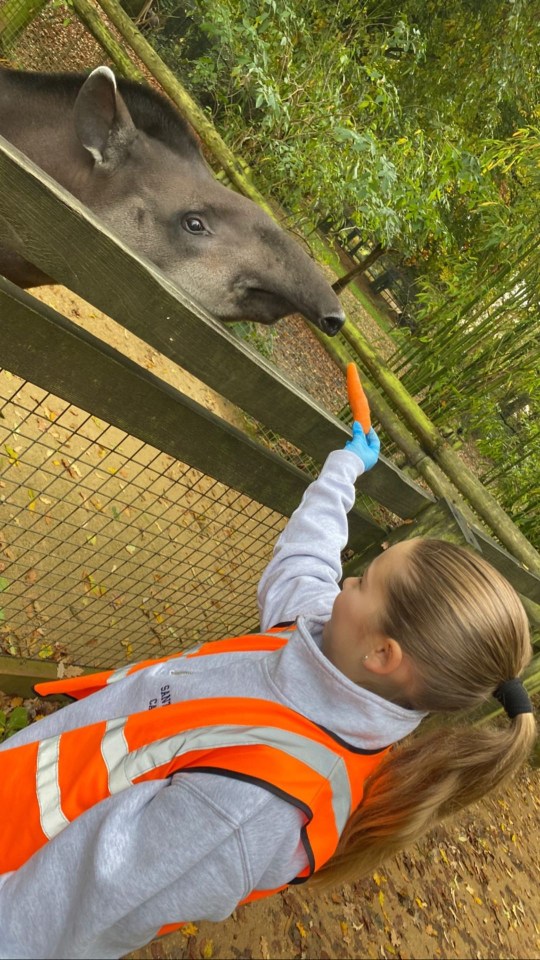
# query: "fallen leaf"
(12, 454)
(128, 647)
(98, 589)
(265, 951)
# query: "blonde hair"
(466, 631)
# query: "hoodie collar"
(313, 686)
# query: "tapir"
(125, 152)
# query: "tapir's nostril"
(332, 324)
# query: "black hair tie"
(513, 697)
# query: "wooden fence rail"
(50, 226)
(46, 348)
(69, 243)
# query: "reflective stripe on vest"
(46, 785)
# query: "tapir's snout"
(332, 324)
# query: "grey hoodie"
(191, 847)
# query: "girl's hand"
(365, 446)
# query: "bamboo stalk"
(394, 428)
(179, 95)
(446, 330)
(468, 485)
(443, 336)
(99, 30)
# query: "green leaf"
(17, 720)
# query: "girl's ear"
(385, 657)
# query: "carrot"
(357, 398)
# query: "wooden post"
(18, 676)
(372, 257)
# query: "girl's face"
(353, 631)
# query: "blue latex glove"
(366, 446)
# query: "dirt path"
(469, 890)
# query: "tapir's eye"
(194, 224)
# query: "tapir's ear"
(102, 120)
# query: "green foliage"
(476, 364)
(11, 723)
(322, 100)
(420, 121)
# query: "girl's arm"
(303, 575)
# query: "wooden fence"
(67, 241)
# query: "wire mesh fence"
(54, 40)
(110, 550)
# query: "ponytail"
(421, 782)
(465, 629)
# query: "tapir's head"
(148, 181)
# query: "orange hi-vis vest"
(47, 784)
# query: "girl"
(108, 841)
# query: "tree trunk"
(340, 284)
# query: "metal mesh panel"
(110, 550)
(54, 41)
